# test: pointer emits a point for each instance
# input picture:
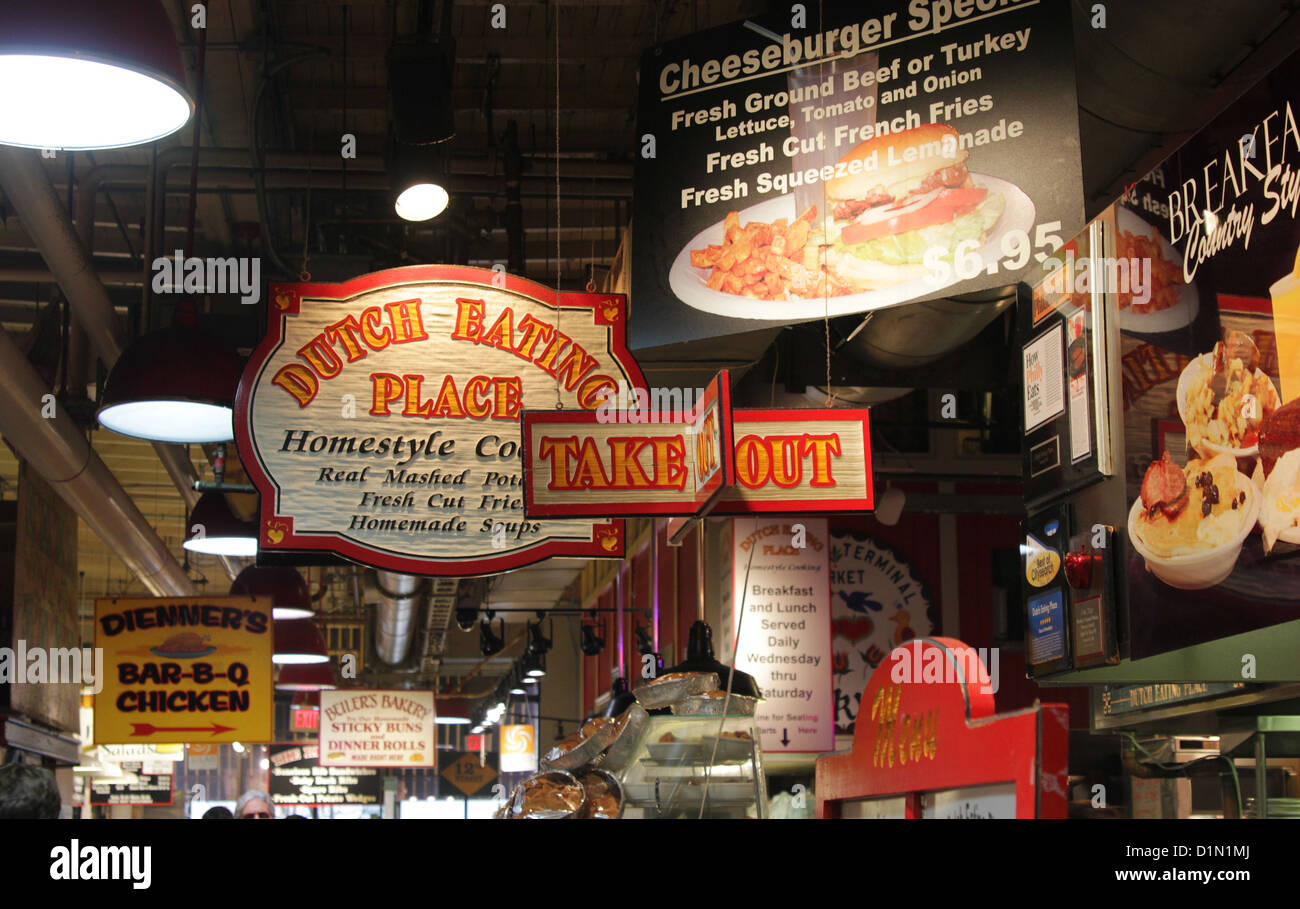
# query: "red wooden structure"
(926, 724)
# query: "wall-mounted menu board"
(1063, 375)
(791, 168)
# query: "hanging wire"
(826, 283)
(559, 309)
(597, 227)
(303, 274)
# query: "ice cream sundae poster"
(1210, 376)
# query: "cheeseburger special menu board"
(791, 168)
(1210, 332)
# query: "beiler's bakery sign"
(380, 418)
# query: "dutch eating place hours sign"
(380, 417)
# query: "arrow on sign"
(785, 736)
(150, 729)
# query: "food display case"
(683, 764)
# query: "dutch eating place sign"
(379, 418)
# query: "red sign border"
(692, 507)
(433, 766)
(727, 508)
(284, 299)
(1025, 747)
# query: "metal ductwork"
(398, 614)
(917, 334)
(29, 188)
(56, 448)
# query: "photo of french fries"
(769, 261)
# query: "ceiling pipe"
(33, 196)
(395, 619)
(58, 451)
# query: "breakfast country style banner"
(1209, 319)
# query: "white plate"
(689, 282)
(1181, 313)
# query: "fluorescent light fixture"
(182, 422)
(298, 641)
(290, 597)
(219, 531)
(174, 385)
(82, 104)
(81, 74)
(306, 677)
(421, 202)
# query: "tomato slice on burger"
(912, 214)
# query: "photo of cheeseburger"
(912, 191)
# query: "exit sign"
(305, 719)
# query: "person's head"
(217, 811)
(254, 804)
(27, 791)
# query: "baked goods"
(1196, 508)
(592, 725)
(604, 796)
(667, 738)
(668, 689)
(547, 795)
(670, 677)
(742, 735)
(563, 747)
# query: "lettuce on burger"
(910, 192)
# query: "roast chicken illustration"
(185, 642)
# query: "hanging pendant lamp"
(216, 530)
(173, 385)
(288, 591)
(81, 74)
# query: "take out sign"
(775, 461)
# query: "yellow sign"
(518, 748)
(184, 669)
(468, 775)
(1041, 563)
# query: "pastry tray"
(624, 747)
(517, 799)
(739, 705)
(586, 753)
(664, 694)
